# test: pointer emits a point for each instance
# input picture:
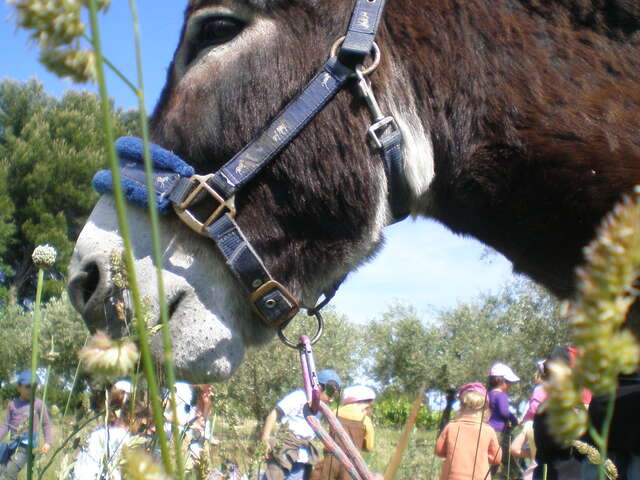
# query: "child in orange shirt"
(469, 444)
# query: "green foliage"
(517, 325)
(399, 344)
(394, 410)
(49, 151)
(270, 372)
(60, 324)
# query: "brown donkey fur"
(531, 109)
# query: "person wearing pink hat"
(501, 377)
(468, 444)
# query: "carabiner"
(309, 375)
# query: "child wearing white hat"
(501, 377)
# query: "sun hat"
(329, 375)
(24, 378)
(184, 392)
(124, 385)
(472, 387)
(358, 393)
(503, 370)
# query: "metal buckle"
(379, 126)
(268, 287)
(190, 219)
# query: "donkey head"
(314, 214)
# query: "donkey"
(519, 125)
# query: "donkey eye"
(218, 30)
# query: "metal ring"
(315, 338)
(375, 49)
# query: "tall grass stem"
(402, 443)
(35, 333)
(124, 231)
(73, 384)
(156, 245)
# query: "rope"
(342, 448)
(333, 447)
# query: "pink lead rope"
(343, 450)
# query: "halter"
(178, 189)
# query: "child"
(354, 415)
(292, 455)
(17, 423)
(100, 457)
(468, 444)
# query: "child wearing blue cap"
(17, 424)
(291, 455)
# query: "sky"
(422, 264)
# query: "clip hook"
(309, 375)
(379, 121)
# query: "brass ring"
(315, 338)
(376, 55)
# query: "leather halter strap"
(176, 185)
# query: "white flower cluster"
(107, 358)
(44, 256)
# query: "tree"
(518, 325)
(61, 328)
(49, 150)
(400, 346)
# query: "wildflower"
(138, 465)
(593, 455)
(118, 269)
(44, 256)
(566, 414)
(109, 358)
(54, 410)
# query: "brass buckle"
(268, 287)
(190, 219)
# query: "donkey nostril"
(91, 281)
(173, 306)
(83, 285)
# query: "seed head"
(567, 418)
(44, 256)
(69, 62)
(57, 27)
(594, 457)
(605, 293)
(107, 358)
(138, 465)
(54, 22)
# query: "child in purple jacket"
(17, 424)
(501, 377)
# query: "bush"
(394, 410)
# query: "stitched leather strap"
(361, 32)
(246, 164)
(273, 305)
(397, 187)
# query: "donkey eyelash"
(211, 30)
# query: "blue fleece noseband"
(168, 169)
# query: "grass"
(238, 444)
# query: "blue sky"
(422, 264)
